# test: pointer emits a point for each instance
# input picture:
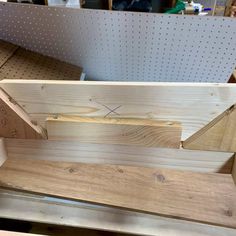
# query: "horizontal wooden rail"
(139, 132)
(193, 105)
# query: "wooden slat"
(218, 135)
(138, 132)
(72, 151)
(15, 122)
(110, 3)
(194, 105)
(15, 205)
(200, 197)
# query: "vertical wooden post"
(110, 4)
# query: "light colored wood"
(218, 135)
(193, 105)
(13, 116)
(234, 170)
(72, 151)
(110, 3)
(138, 132)
(234, 75)
(3, 153)
(170, 193)
(12, 126)
(15, 205)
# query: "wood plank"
(138, 132)
(170, 193)
(72, 151)
(15, 205)
(110, 4)
(14, 115)
(199, 103)
(12, 126)
(218, 135)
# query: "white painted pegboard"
(126, 46)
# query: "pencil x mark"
(110, 109)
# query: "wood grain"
(218, 135)
(14, 122)
(193, 105)
(73, 151)
(138, 132)
(208, 198)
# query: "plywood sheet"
(200, 197)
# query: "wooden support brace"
(139, 132)
(20, 112)
(218, 135)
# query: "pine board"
(208, 198)
(137, 132)
(73, 151)
(218, 135)
(12, 126)
(193, 105)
